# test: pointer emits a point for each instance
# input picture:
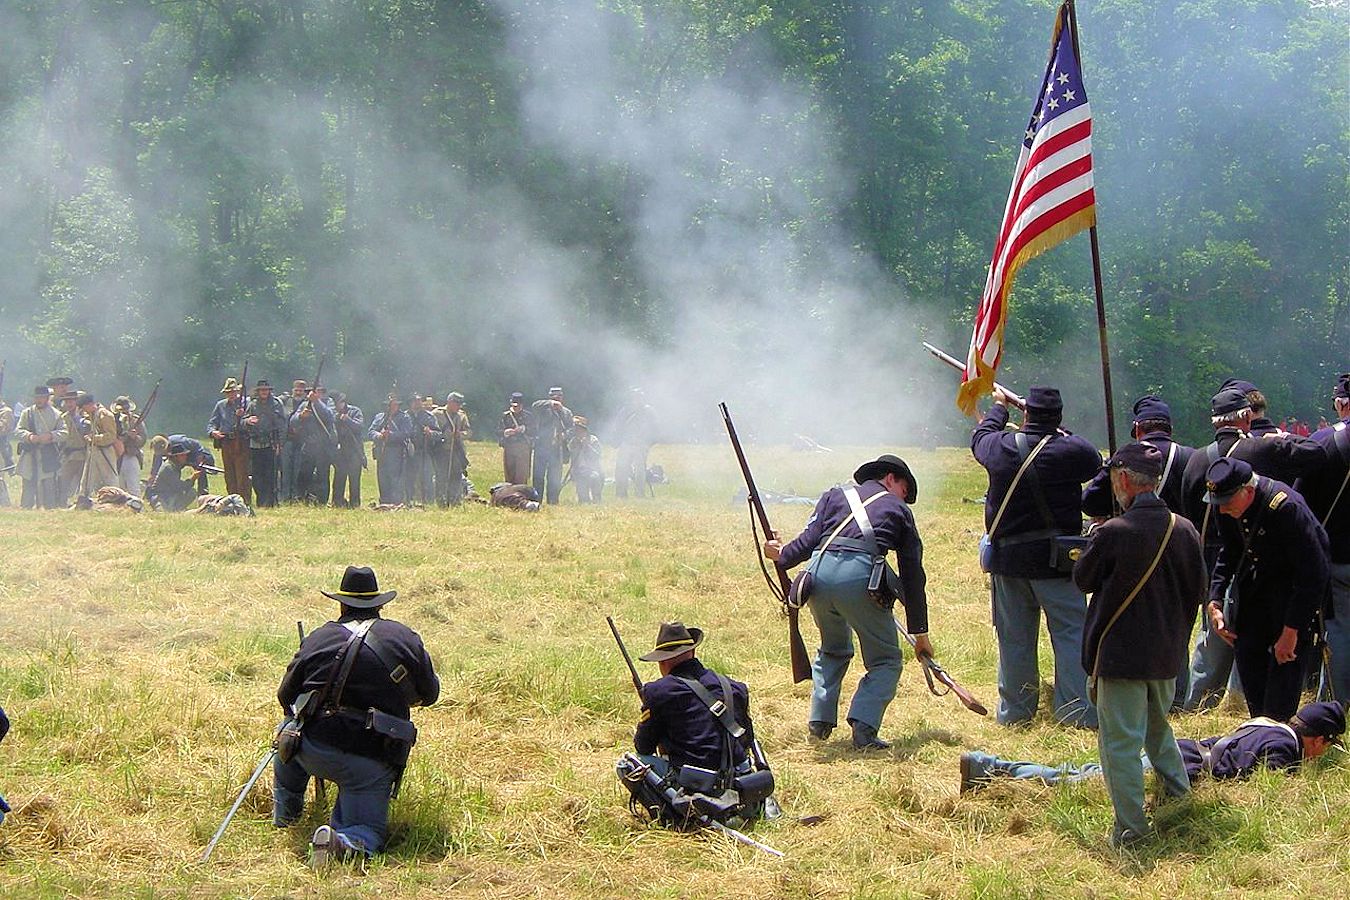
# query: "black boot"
(865, 738)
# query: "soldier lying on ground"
(514, 496)
(1258, 742)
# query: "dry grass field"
(141, 654)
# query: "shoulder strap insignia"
(1279, 498)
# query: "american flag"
(1051, 199)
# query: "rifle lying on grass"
(801, 666)
(698, 818)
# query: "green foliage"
(190, 183)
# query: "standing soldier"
(636, 434)
(587, 473)
(1270, 581)
(847, 539)
(1278, 455)
(291, 444)
(351, 453)
(552, 422)
(513, 436)
(74, 448)
(104, 447)
(226, 430)
(1152, 423)
(42, 432)
(1328, 494)
(1036, 478)
(391, 434)
(266, 422)
(452, 461)
(427, 441)
(1146, 576)
(61, 388)
(314, 426)
(1261, 425)
(8, 421)
(132, 435)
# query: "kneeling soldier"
(348, 694)
(699, 721)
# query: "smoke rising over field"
(770, 207)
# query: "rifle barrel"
(745, 839)
(801, 666)
(1017, 400)
(632, 669)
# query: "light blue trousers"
(1132, 716)
(1338, 631)
(1017, 617)
(841, 608)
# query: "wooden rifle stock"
(932, 670)
(801, 665)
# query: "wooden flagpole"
(1097, 277)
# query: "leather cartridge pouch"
(399, 735)
(754, 786)
(1065, 550)
(697, 780)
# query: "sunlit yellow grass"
(141, 655)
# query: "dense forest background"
(768, 201)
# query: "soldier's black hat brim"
(675, 648)
(360, 590)
(361, 601)
(883, 464)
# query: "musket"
(1015, 399)
(632, 669)
(801, 666)
(745, 839)
(932, 670)
(243, 404)
(323, 357)
(2, 377)
(150, 402)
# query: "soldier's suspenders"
(1341, 441)
(1210, 755)
(724, 711)
(398, 673)
(1167, 469)
(1212, 453)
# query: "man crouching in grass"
(348, 694)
